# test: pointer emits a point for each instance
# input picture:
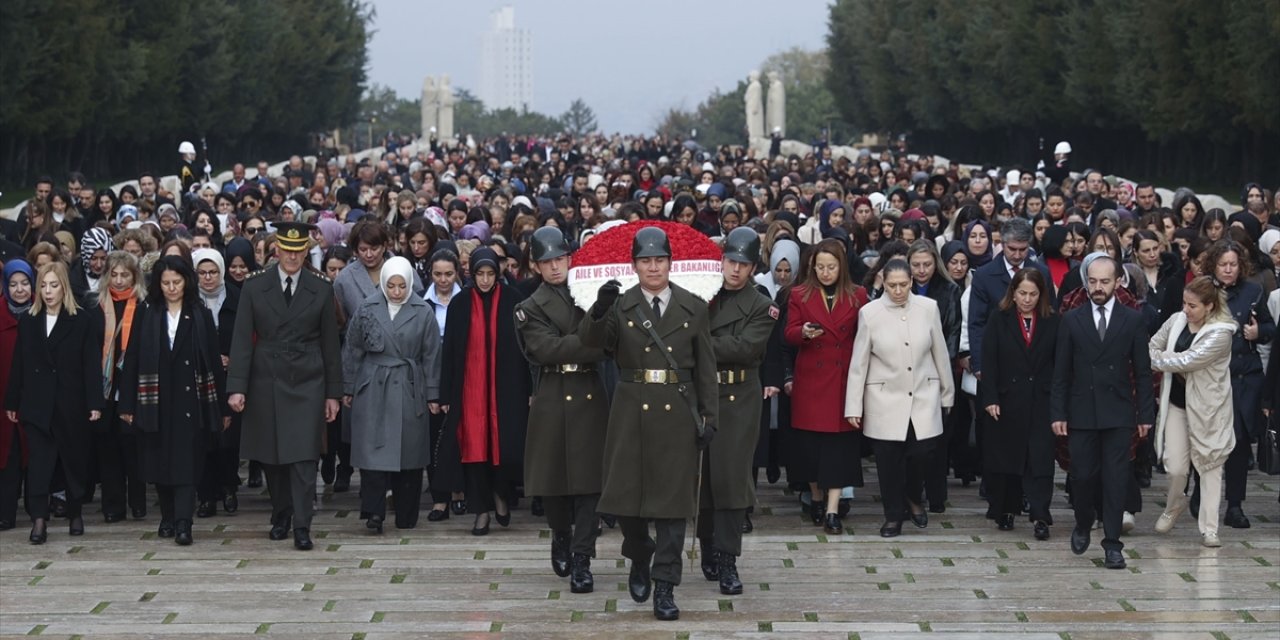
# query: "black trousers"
(1006, 490)
(117, 457)
(722, 528)
(483, 481)
(576, 514)
(900, 466)
(663, 555)
(11, 480)
(964, 456)
(338, 456)
(1100, 461)
(42, 464)
(293, 491)
(177, 502)
(937, 465)
(406, 490)
(221, 477)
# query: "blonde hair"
(119, 258)
(59, 270)
(1206, 292)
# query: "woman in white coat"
(899, 383)
(1193, 349)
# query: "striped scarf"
(152, 349)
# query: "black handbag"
(1269, 449)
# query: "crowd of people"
(409, 316)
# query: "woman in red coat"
(16, 300)
(822, 316)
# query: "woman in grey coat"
(391, 371)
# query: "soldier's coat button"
(630, 323)
(668, 407)
(568, 398)
(646, 349)
(731, 398)
(588, 396)
(668, 348)
(644, 407)
(686, 325)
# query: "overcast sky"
(630, 61)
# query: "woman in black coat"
(178, 392)
(485, 374)
(1017, 360)
(221, 477)
(55, 390)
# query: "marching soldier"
(663, 413)
(564, 446)
(742, 320)
(286, 377)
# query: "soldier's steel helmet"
(742, 245)
(650, 242)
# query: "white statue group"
(437, 108)
(775, 118)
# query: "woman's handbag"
(1269, 449)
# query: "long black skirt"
(832, 460)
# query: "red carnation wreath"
(695, 261)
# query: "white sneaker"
(1165, 523)
(1211, 540)
(1127, 524)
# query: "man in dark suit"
(991, 281)
(1101, 392)
(285, 377)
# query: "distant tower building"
(506, 63)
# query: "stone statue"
(444, 122)
(430, 106)
(755, 108)
(776, 116)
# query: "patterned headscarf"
(94, 240)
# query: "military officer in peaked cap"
(663, 413)
(564, 444)
(742, 319)
(286, 378)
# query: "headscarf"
(95, 239)
(396, 266)
(241, 248)
(950, 249)
(212, 299)
(478, 230)
(979, 260)
(1250, 224)
(484, 256)
(824, 215)
(437, 218)
(784, 249)
(18, 266)
(331, 230)
(126, 211)
(1269, 238)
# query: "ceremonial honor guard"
(742, 318)
(564, 446)
(285, 376)
(663, 413)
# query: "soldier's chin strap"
(697, 421)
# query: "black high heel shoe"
(76, 526)
(891, 529)
(503, 519)
(231, 503)
(476, 529)
(458, 507)
(437, 515)
(39, 531)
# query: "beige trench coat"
(1206, 368)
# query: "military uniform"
(285, 359)
(651, 450)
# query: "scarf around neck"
(478, 429)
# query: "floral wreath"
(695, 261)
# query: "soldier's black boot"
(560, 541)
(581, 580)
(707, 551)
(664, 601)
(638, 582)
(730, 584)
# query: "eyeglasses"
(253, 229)
(207, 274)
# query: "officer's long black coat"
(513, 386)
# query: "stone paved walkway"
(960, 578)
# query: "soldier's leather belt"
(568, 368)
(656, 376)
(734, 376)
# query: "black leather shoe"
(818, 514)
(107, 517)
(476, 529)
(459, 507)
(747, 527)
(374, 523)
(1005, 522)
(207, 509)
(437, 515)
(638, 581)
(772, 474)
(231, 503)
(139, 513)
(302, 539)
(535, 507)
(1236, 519)
(1114, 560)
(166, 529)
(891, 529)
(560, 556)
(39, 531)
(328, 466)
(58, 507)
(183, 533)
(832, 526)
(664, 601)
(280, 528)
(342, 483)
(581, 580)
(707, 554)
(255, 476)
(1042, 530)
(938, 508)
(730, 583)
(1079, 540)
(503, 519)
(843, 507)
(5, 525)
(609, 520)
(921, 520)
(76, 526)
